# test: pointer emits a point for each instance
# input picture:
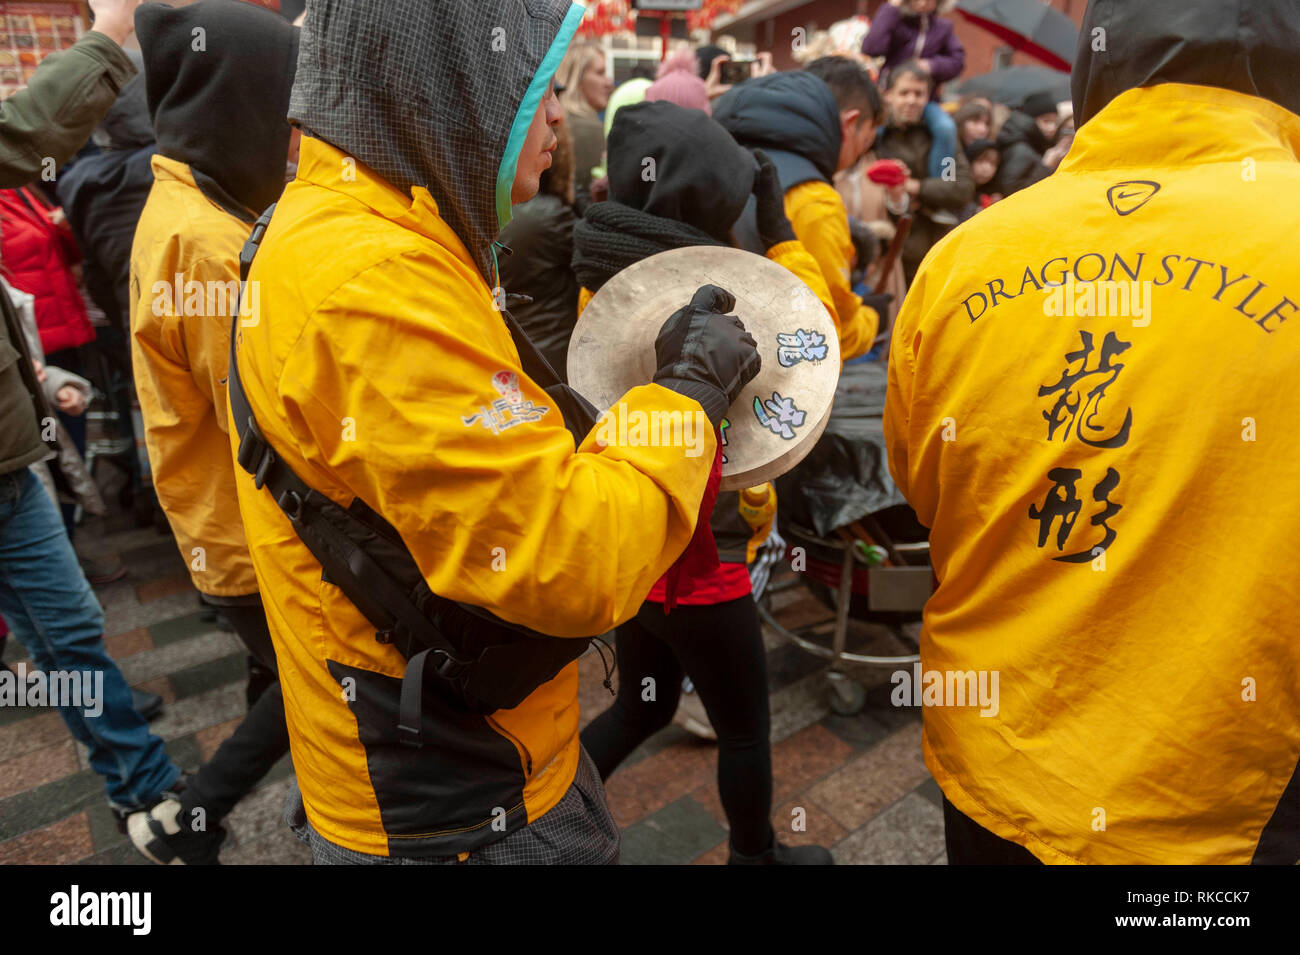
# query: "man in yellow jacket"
(223, 142)
(813, 123)
(381, 371)
(1092, 405)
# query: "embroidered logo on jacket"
(1128, 197)
(510, 409)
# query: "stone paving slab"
(854, 783)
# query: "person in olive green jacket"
(43, 126)
(44, 595)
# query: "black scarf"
(612, 236)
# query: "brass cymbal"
(779, 415)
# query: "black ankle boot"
(785, 855)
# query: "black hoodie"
(795, 119)
(1022, 144)
(218, 75)
(701, 181)
(701, 177)
(1249, 46)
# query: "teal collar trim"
(528, 109)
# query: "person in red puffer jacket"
(37, 252)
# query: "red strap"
(701, 555)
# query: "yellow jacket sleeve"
(820, 221)
(793, 257)
(906, 450)
(179, 363)
(483, 481)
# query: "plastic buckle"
(293, 507)
(384, 636)
(251, 447)
(409, 736)
(268, 458)
(448, 666)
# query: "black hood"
(221, 109)
(1250, 46)
(792, 112)
(1022, 128)
(700, 175)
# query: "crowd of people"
(331, 270)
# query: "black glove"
(773, 225)
(879, 303)
(706, 354)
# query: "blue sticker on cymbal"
(779, 415)
(803, 344)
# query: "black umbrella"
(1029, 25)
(1015, 84)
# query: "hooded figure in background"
(104, 193)
(702, 183)
(1023, 140)
(384, 372)
(223, 143)
(1120, 382)
(795, 118)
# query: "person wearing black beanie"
(218, 76)
(1024, 140)
(678, 179)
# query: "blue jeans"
(53, 612)
(944, 132)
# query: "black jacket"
(794, 118)
(1022, 144)
(540, 239)
(104, 194)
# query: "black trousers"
(969, 843)
(720, 647)
(258, 742)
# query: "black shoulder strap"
(343, 560)
(323, 525)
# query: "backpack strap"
(381, 600)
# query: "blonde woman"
(584, 84)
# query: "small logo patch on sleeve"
(509, 410)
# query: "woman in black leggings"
(713, 635)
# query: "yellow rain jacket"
(185, 260)
(817, 214)
(794, 118)
(378, 368)
(1108, 471)
(184, 280)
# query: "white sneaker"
(692, 717)
(157, 834)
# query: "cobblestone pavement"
(859, 780)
